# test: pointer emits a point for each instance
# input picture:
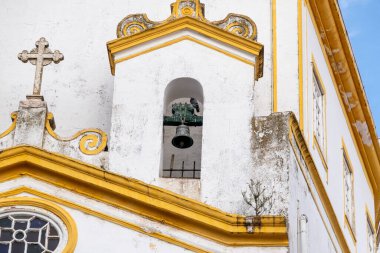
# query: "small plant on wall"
(259, 197)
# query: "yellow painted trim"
(100, 215)
(372, 225)
(313, 173)
(12, 126)
(371, 220)
(328, 20)
(187, 37)
(135, 196)
(348, 225)
(88, 144)
(346, 153)
(320, 152)
(307, 80)
(72, 234)
(198, 26)
(274, 55)
(300, 64)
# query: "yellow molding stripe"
(135, 196)
(187, 37)
(93, 141)
(320, 152)
(300, 63)
(351, 232)
(12, 126)
(370, 219)
(317, 181)
(330, 25)
(189, 23)
(49, 206)
(274, 56)
(307, 71)
(100, 215)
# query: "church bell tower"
(183, 101)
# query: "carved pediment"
(236, 24)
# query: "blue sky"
(362, 19)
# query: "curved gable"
(234, 36)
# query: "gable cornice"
(146, 200)
(198, 26)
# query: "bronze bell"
(182, 138)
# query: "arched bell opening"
(182, 129)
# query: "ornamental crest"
(236, 24)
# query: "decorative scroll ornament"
(133, 24)
(189, 8)
(92, 141)
(12, 126)
(237, 24)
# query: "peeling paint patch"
(363, 130)
(338, 67)
(328, 50)
(347, 99)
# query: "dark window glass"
(5, 222)
(53, 243)
(21, 233)
(18, 247)
(4, 248)
(6, 235)
(34, 248)
(32, 236)
(37, 223)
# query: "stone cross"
(40, 56)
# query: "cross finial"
(40, 56)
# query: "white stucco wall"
(136, 134)
(79, 89)
(287, 56)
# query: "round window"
(26, 231)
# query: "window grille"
(349, 193)
(319, 111)
(27, 232)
